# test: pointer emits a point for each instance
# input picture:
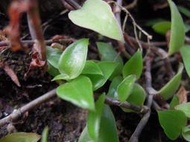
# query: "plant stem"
(151, 93)
(74, 4)
(19, 112)
(126, 105)
(34, 24)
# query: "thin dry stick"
(31, 105)
(8, 44)
(34, 24)
(126, 105)
(74, 4)
(118, 11)
(132, 5)
(135, 25)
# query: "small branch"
(62, 39)
(30, 42)
(117, 11)
(54, 18)
(138, 130)
(34, 24)
(132, 5)
(72, 3)
(161, 62)
(126, 105)
(151, 93)
(19, 112)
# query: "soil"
(66, 121)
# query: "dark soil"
(64, 120)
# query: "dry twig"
(31, 105)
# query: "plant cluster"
(81, 79)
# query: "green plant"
(81, 78)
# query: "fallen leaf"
(37, 61)
(9, 71)
(182, 95)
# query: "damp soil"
(66, 121)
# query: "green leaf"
(151, 22)
(97, 16)
(185, 53)
(52, 70)
(45, 135)
(186, 133)
(95, 73)
(172, 121)
(84, 137)
(162, 27)
(184, 11)
(97, 80)
(187, 27)
(138, 95)
(108, 130)
(174, 102)
(78, 92)
(134, 65)
(94, 119)
(113, 87)
(185, 107)
(125, 88)
(53, 55)
(177, 29)
(73, 59)
(107, 70)
(171, 87)
(60, 77)
(108, 53)
(21, 137)
(92, 68)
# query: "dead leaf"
(182, 95)
(9, 71)
(37, 61)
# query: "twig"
(161, 62)
(135, 25)
(34, 24)
(7, 43)
(151, 93)
(19, 112)
(74, 4)
(132, 5)
(117, 11)
(139, 128)
(54, 18)
(126, 105)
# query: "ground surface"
(64, 120)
